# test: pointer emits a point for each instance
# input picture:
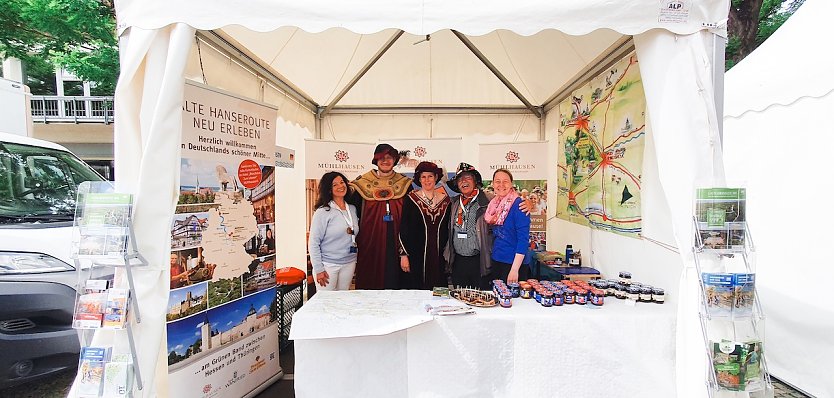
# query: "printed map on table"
(601, 138)
(230, 225)
(351, 313)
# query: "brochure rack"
(731, 316)
(105, 255)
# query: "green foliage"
(772, 14)
(77, 35)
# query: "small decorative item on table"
(473, 297)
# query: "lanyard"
(464, 213)
(348, 218)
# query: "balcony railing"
(52, 108)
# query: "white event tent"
(779, 103)
(487, 71)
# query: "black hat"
(382, 149)
(428, 167)
(466, 168)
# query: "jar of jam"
(514, 289)
(537, 294)
(505, 300)
(658, 295)
(570, 296)
(558, 298)
(547, 299)
(526, 291)
(625, 278)
(612, 289)
(597, 297)
(581, 296)
(645, 295)
(633, 293)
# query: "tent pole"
(471, 46)
(717, 47)
(365, 69)
(542, 133)
(317, 134)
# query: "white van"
(38, 183)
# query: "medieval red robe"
(378, 262)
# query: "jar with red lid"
(581, 296)
(526, 291)
(570, 296)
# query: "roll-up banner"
(284, 157)
(444, 152)
(528, 163)
(222, 311)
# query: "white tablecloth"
(524, 351)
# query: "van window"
(39, 184)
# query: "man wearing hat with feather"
(378, 197)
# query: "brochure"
(719, 294)
(115, 313)
(738, 364)
(720, 214)
(91, 370)
(102, 221)
(446, 306)
(744, 294)
(89, 310)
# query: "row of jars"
(626, 288)
(548, 293)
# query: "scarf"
(465, 201)
(499, 207)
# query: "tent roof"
(756, 82)
(472, 17)
(537, 48)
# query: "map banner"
(601, 139)
(222, 334)
(528, 163)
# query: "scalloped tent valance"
(421, 17)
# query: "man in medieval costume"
(378, 197)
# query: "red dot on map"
(249, 173)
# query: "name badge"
(387, 218)
(462, 235)
(353, 249)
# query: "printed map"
(230, 225)
(601, 137)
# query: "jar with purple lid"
(633, 293)
(515, 289)
(645, 294)
(558, 298)
(658, 295)
(505, 300)
(597, 297)
(547, 299)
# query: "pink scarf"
(499, 207)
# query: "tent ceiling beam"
(471, 46)
(385, 47)
(608, 58)
(430, 110)
(232, 51)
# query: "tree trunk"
(744, 25)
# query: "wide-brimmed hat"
(383, 149)
(464, 168)
(428, 167)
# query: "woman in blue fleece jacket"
(332, 242)
(510, 228)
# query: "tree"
(77, 35)
(751, 22)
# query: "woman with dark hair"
(332, 242)
(424, 231)
(510, 228)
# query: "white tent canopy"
(779, 104)
(494, 81)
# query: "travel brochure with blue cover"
(729, 295)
